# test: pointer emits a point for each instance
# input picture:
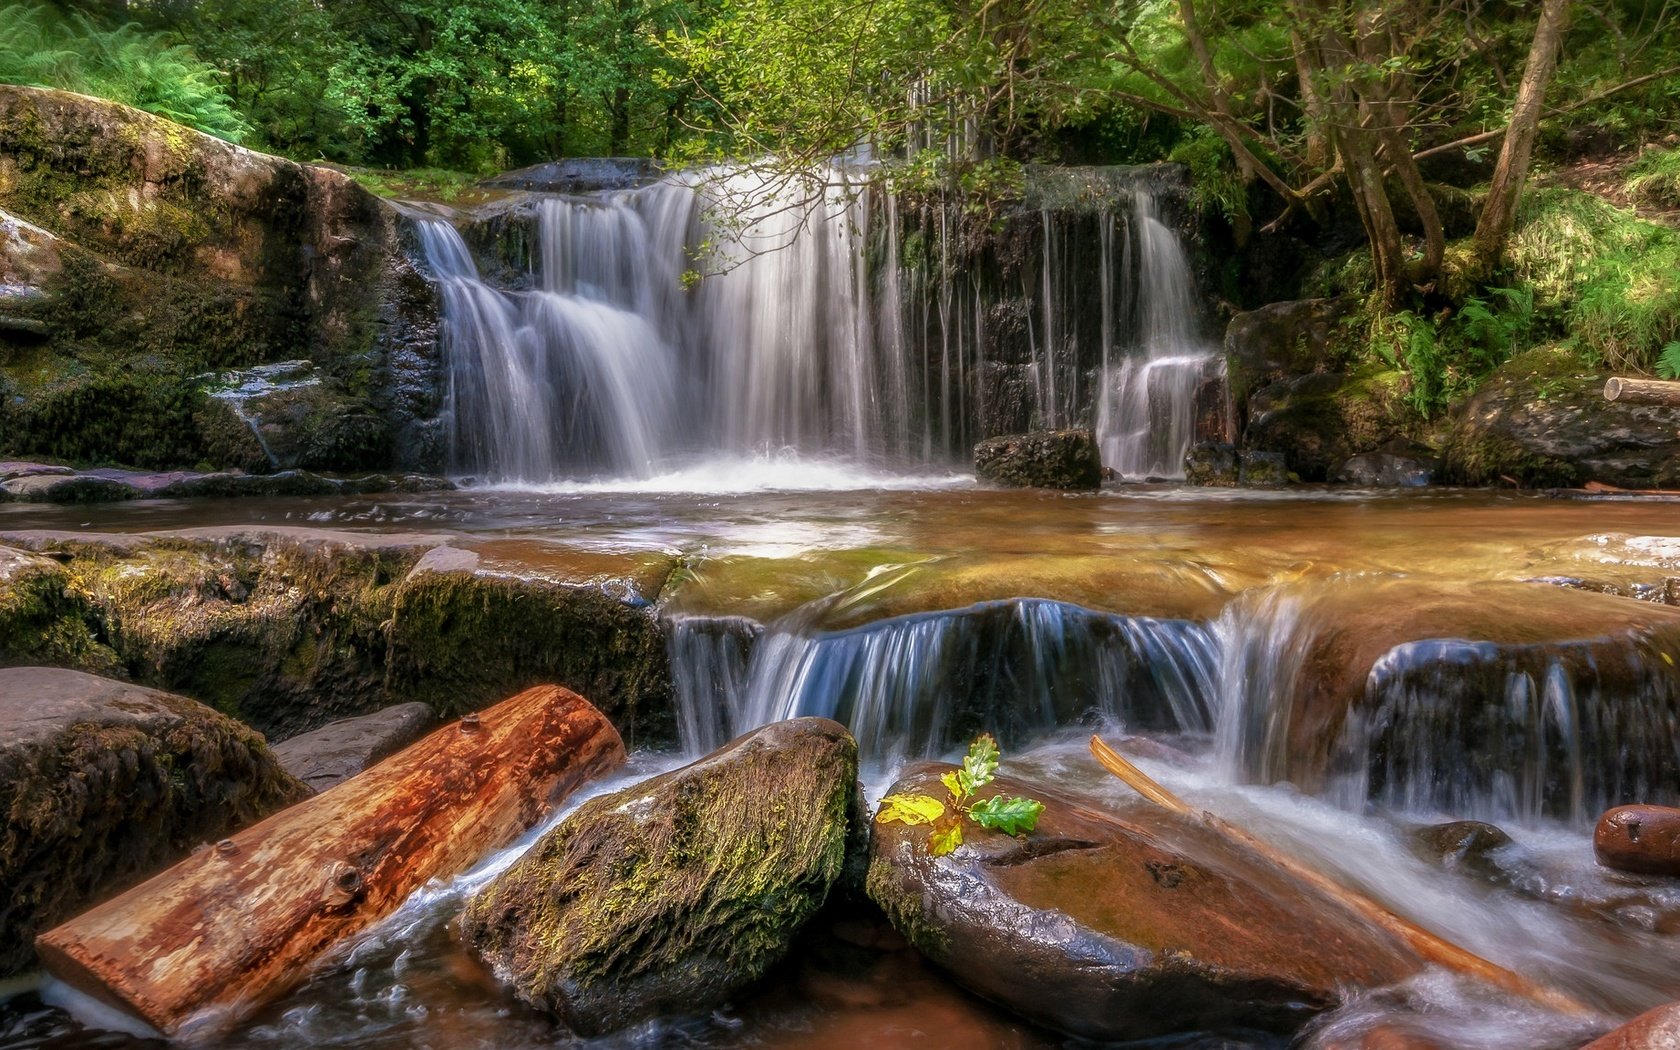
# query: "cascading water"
(730, 313)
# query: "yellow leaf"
(953, 784)
(910, 809)
(945, 838)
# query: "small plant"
(1012, 816)
(1668, 361)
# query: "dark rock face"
(1211, 463)
(1541, 425)
(339, 750)
(1262, 470)
(149, 254)
(1280, 341)
(1385, 470)
(103, 783)
(1126, 927)
(1643, 839)
(1320, 420)
(578, 175)
(1052, 459)
(671, 896)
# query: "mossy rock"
(104, 783)
(1050, 459)
(1318, 421)
(44, 619)
(671, 896)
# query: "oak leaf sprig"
(1012, 816)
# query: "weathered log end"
(194, 950)
(1642, 391)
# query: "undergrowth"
(1654, 179)
(41, 48)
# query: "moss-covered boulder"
(103, 783)
(1049, 459)
(152, 254)
(1542, 422)
(1281, 341)
(673, 895)
(44, 619)
(1135, 926)
(1319, 421)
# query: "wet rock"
(1262, 470)
(1643, 839)
(339, 750)
(73, 488)
(44, 619)
(1385, 470)
(1130, 926)
(149, 253)
(13, 469)
(1319, 421)
(1461, 844)
(1051, 459)
(578, 175)
(1280, 341)
(286, 416)
(103, 783)
(1211, 463)
(1541, 423)
(673, 895)
(1657, 1029)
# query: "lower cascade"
(728, 313)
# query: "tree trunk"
(199, 947)
(1509, 174)
(1643, 391)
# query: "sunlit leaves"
(910, 809)
(946, 837)
(1012, 816)
(980, 764)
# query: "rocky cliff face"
(141, 262)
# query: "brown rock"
(1657, 1029)
(1127, 926)
(339, 750)
(1644, 839)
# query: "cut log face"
(197, 948)
(1642, 391)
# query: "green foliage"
(1012, 816)
(40, 48)
(1603, 276)
(1668, 362)
(1654, 179)
(1214, 182)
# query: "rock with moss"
(1211, 463)
(671, 896)
(1319, 421)
(104, 783)
(1541, 421)
(1280, 341)
(44, 619)
(1130, 927)
(153, 254)
(1046, 459)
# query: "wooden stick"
(196, 949)
(1642, 391)
(1426, 944)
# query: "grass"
(1654, 179)
(419, 184)
(41, 48)
(1601, 273)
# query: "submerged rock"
(339, 750)
(1461, 844)
(1120, 927)
(670, 896)
(102, 783)
(1385, 470)
(1046, 459)
(1657, 1029)
(1643, 839)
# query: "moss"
(43, 620)
(677, 892)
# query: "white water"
(676, 333)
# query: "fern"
(1668, 362)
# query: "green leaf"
(910, 809)
(980, 763)
(946, 837)
(1012, 816)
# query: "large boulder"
(1540, 422)
(1320, 420)
(670, 896)
(1128, 927)
(147, 254)
(42, 618)
(1046, 459)
(103, 783)
(332, 754)
(1281, 341)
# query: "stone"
(673, 895)
(1211, 463)
(103, 783)
(44, 619)
(1642, 839)
(73, 488)
(339, 750)
(287, 416)
(1657, 1029)
(1262, 470)
(578, 175)
(1461, 844)
(1050, 459)
(1320, 420)
(1540, 422)
(1385, 470)
(152, 253)
(1126, 927)
(1281, 341)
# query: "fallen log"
(197, 948)
(1642, 391)
(1428, 946)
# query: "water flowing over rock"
(732, 312)
(1657, 1029)
(1123, 927)
(670, 896)
(102, 783)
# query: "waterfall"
(738, 314)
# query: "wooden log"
(1429, 946)
(1642, 391)
(196, 949)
